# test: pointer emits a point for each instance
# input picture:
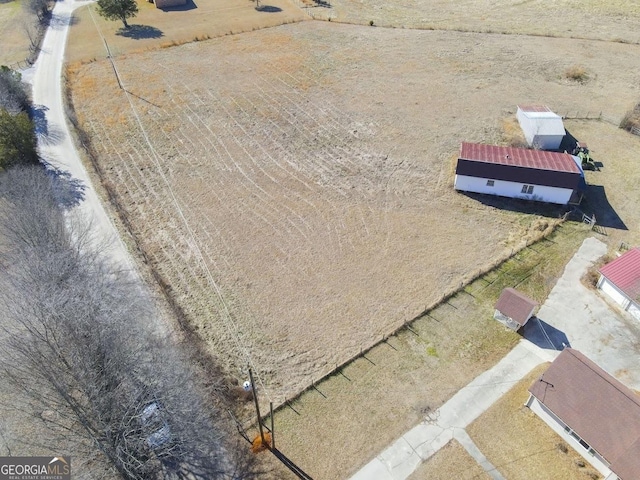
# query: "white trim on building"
(619, 297)
(505, 188)
(569, 436)
(542, 129)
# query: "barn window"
(528, 189)
(490, 183)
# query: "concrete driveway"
(586, 321)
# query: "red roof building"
(519, 173)
(620, 280)
(595, 413)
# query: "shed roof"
(534, 108)
(600, 409)
(543, 120)
(515, 305)
(624, 273)
(519, 157)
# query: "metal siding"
(615, 294)
(522, 175)
(541, 193)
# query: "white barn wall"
(546, 142)
(530, 127)
(539, 410)
(619, 297)
(616, 295)
(512, 189)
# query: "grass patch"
(512, 135)
(527, 448)
(451, 461)
(576, 73)
(374, 400)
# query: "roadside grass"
(13, 37)
(451, 461)
(520, 445)
(154, 28)
(373, 400)
(617, 19)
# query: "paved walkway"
(400, 460)
(572, 315)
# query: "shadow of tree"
(188, 5)
(68, 191)
(46, 133)
(140, 32)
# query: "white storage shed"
(542, 128)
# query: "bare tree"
(81, 341)
(40, 8)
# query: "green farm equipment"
(582, 151)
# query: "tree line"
(81, 341)
(17, 130)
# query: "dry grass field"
(13, 36)
(451, 461)
(315, 180)
(521, 445)
(611, 20)
(375, 399)
(154, 28)
(293, 186)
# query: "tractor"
(582, 151)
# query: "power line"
(226, 314)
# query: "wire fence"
(21, 65)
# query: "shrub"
(577, 73)
(631, 119)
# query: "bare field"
(611, 20)
(520, 445)
(316, 179)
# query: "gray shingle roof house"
(594, 412)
